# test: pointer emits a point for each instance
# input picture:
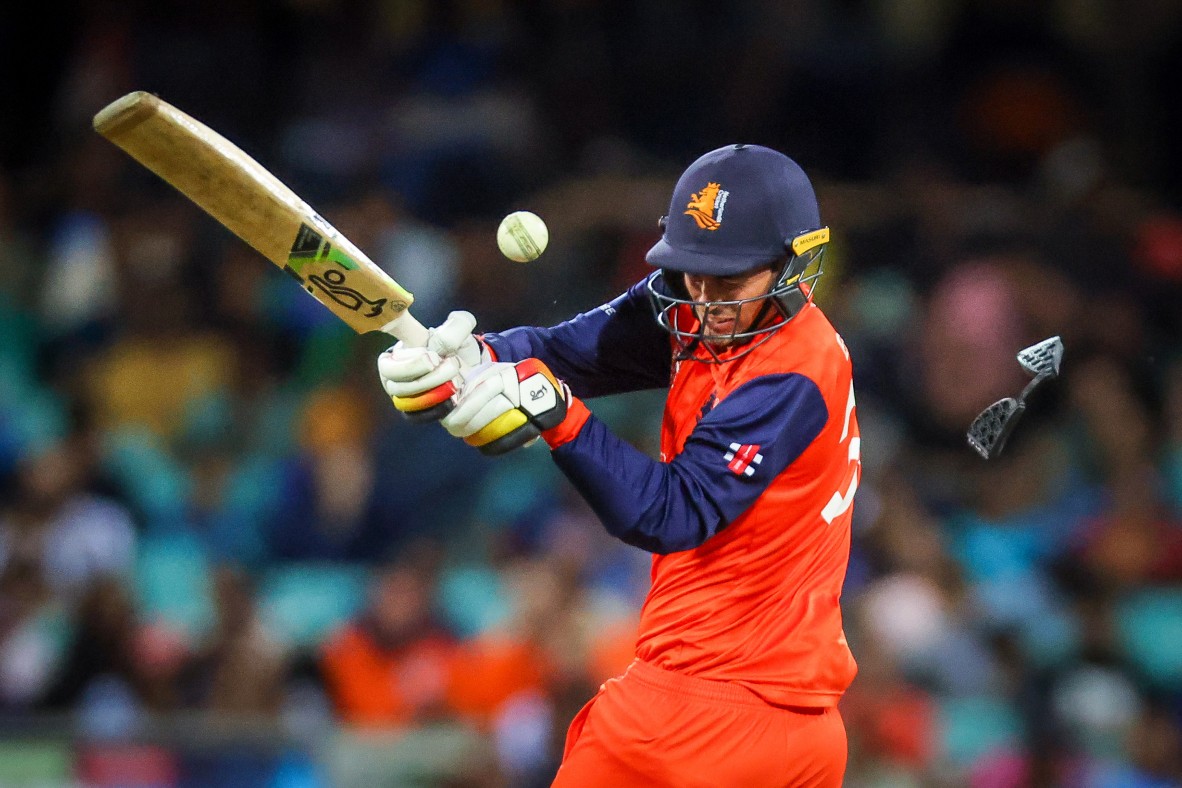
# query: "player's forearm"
(652, 505)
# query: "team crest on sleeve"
(742, 458)
(706, 206)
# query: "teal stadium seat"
(1149, 628)
(173, 583)
(301, 604)
(472, 599)
(18, 347)
(972, 727)
(156, 484)
(35, 419)
(32, 417)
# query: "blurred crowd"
(226, 560)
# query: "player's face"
(723, 321)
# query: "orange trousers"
(651, 728)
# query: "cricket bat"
(257, 207)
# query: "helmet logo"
(706, 206)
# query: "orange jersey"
(758, 603)
(747, 512)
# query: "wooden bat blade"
(252, 203)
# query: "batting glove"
(423, 381)
(503, 406)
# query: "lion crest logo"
(706, 206)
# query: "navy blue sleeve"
(612, 349)
(728, 461)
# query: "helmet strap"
(793, 300)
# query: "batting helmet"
(737, 209)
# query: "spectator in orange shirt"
(390, 666)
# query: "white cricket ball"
(522, 236)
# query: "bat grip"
(408, 329)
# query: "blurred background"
(226, 561)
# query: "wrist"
(568, 429)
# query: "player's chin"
(720, 339)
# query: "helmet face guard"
(681, 316)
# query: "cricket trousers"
(654, 728)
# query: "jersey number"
(840, 501)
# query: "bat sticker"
(332, 284)
(311, 247)
(306, 247)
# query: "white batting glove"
(503, 406)
(422, 381)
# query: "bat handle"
(408, 329)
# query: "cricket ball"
(522, 236)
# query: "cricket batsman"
(740, 658)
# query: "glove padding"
(423, 381)
(503, 406)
